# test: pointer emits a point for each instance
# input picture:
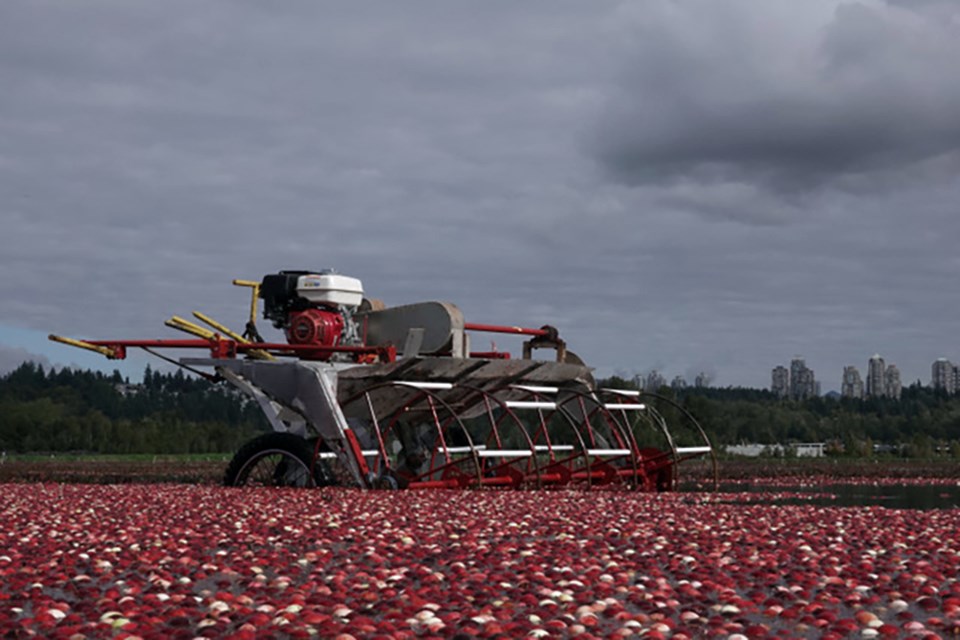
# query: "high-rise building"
(806, 385)
(678, 383)
(942, 376)
(891, 382)
(803, 385)
(852, 385)
(875, 376)
(655, 381)
(780, 381)
(702, 380)
(797, 365)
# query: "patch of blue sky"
(61, 355)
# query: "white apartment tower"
(942, 376)
(875, 377)
(780, 381)
(852, 384)
(654, 381)
(803, 385)
(891, 382)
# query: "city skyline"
(886, 377)
(882, 379)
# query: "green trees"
(84, 411)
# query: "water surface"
(858, 495)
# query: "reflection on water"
(850, 495)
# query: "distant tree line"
(924, 423)
(87, 411)
(93, 412)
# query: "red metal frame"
(224, 348)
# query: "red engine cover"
(315, 326)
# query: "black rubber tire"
(277, 460)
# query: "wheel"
(276, 460)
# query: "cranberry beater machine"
(393, 397)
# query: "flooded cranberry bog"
(182, 561)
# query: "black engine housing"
(279, 294)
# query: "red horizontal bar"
(241, 347)
(435, 484)
(499, 481)
(309, 348)
(550, 478)
(593, 475)
(159, 344)
(496, 328)
(490, 355)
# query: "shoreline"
(208, 470)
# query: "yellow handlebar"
(73, 342)
(253, 298)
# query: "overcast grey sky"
(680, 185)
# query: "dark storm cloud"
(783, 95)
(151, 153)
(150, 156)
